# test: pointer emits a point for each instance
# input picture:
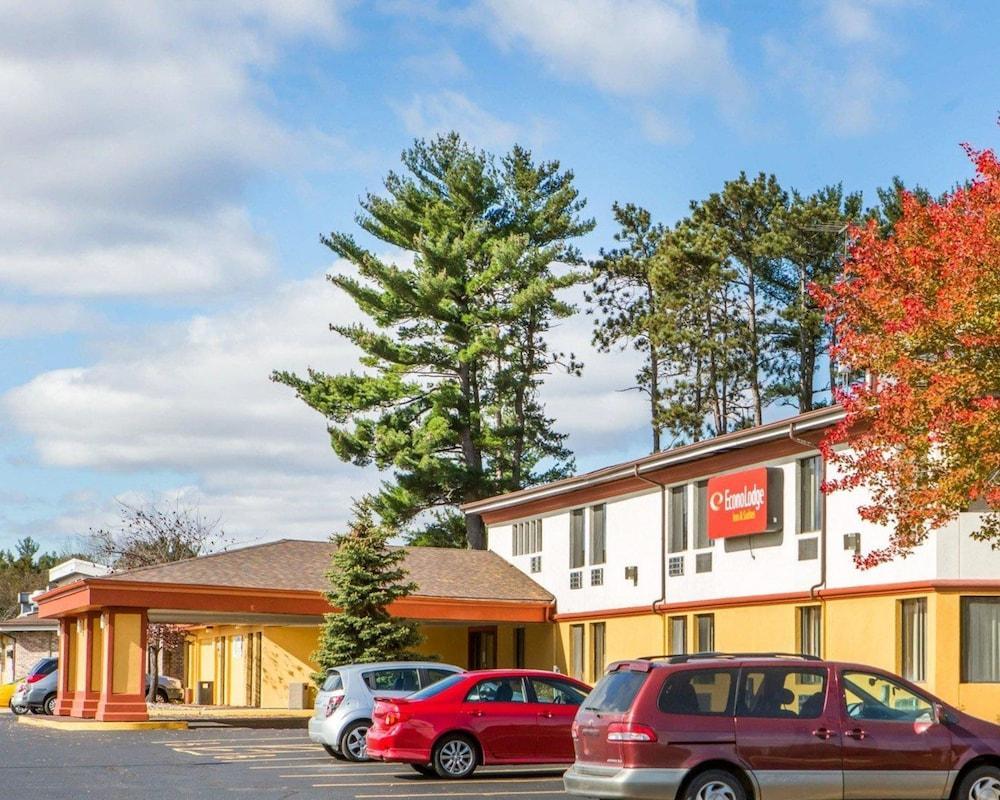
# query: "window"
(527, 537)
(554, 691)
(334, 681)
(597, 534)
(437, 687)
(913, 639)
(703, 562)
(875, 697)
(576, 580)
(809, 495)
(782, 693)
(704, 692)
(498, 690)
(576, 651)
(597, 577)
(392, 680)
(980, 639)
(597, 650)
(675, 566)
(577, 554)
(678, 636)
(811, 630)
(433, 675)
(701, 539)
(678, 519)
(519, 648)
(705, 626)
(616, 691)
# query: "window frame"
(697, 633)
(913, 644)
(815, 522)
(822, 674)
(573, 655)
(577, 539)
(730, 709)
(678, 543)
(671, 638)
(804, 616)
(901, 684)
(598, 555)
(965, 619)
(598, 655)
(524, 691)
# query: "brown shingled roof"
(296, 564)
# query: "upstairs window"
(701, 539)
(809, 495)
(598, 546)
(678, 519)
(527, 537)
(577, 551)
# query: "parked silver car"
(343, 710)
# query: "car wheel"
(424, 769)
(352, 741)
(161, 696)
(334, 753)
(36, 709)
(19, 710)
(982, 783)
(715, 784)
(49, 706)
(455, 757)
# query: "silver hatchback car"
(343, 710)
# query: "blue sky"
(168, 168)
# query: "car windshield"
(615, 691)
(333, 681)
(436, 688)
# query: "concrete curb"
(68, 724)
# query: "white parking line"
(417, 782)
(461, 794)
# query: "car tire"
(715, 784)
(334, 753)
(49, 705)
(36, 709)
(161, 696)
(352, 741)
(980, 782)
(455, 757)
(18, 710)
(424, 769)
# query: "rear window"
(433, 675)
(44, 667)
(702, 692)
(437, 688)
(615, 691)
(333, 681)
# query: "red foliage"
(919, 311)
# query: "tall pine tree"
(366, 576)
(447, 399)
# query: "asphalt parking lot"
(214, 762)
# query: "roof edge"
(748, 437)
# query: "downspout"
(663, 548)
(815, 588)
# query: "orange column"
(66, 688)
(87, 672)
(123, 666)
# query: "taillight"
(34, 678)
(393, 717)
(333, 703)
(575, 730)
(630, 732)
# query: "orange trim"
(96, 593)
(944, 585)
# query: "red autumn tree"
(919, 312)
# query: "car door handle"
(823, 733)
(546, 714)
(857, 733)
(477, 713)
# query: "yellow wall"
(96, 660)
(625, 637)
(285, 659)
(128, 653)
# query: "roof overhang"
(186, 601)
(730, 451)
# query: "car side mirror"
(943, 715)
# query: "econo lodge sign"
(744, 503)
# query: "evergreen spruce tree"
(366, 576)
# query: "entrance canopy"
(103, 620)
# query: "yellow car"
(6, 691)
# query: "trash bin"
(206, 692)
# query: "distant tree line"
(23, 570)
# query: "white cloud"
(428, 114)
(625, 47)
(129, 133)
(44, 319)
(195, 399)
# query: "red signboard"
(744, 503)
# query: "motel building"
(721, 545)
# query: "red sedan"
(514, 716)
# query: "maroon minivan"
(775, 727)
